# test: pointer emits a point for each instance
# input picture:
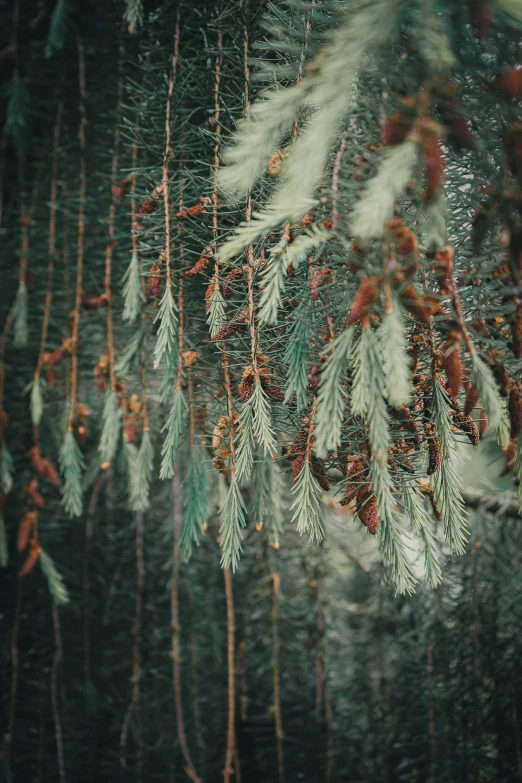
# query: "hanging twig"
(112, 218)
(88, 543)
(431, 709)
(7, 739)
(58, 655)
(176, 629)
(81, 233)
(276, 675)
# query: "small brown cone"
(25, 529)
(366, 296)
(247, 384)
(155, 281)
(471, 400)
(452, 362)
(31, 560)
(467, 425)
(434, 449)
(367, 510)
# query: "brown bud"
(434, 449)
(320, 278)
(4, 420)
(366, 296)
(275, 163)
(31, 560)
(471, 400)
(420, 307)
(25, 528)
(50, 473)
(228, 287)
(307, 220)
(149, 206)
(194, 211)
(247, 384)
(155, 281)
(367, 510)
(33, 494)
(200, 266)
(467, 425)
(230, 329)
(130, 426)
(452, 362)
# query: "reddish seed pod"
(228, 287)
(367, 510)
(247, 384)
(31, 560)
(452, 362)
(422, 308)
(200, 266)
(471, 400)
(434, 449)
(433, 165)
(320, 278)
(25, 529)
(467, 425)
(155, 281)
(366, 296)
(149, 206)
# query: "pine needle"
(394, 350)
(6, 470)
(111, 427)
(331, 397)
(168, 324)
(132, 295)
(494, 407)
(233, 517)
(21, 328)
(307, 506)
(173, 427)
(447, 481)
(379, 197)
(55, 581)
(71, 465)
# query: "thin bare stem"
(176, 630)
(81, 233)
(58, 655)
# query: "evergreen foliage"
(277, 245)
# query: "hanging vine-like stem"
(81, 233)
(58, 655)
(176, 629)
(112, 219)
